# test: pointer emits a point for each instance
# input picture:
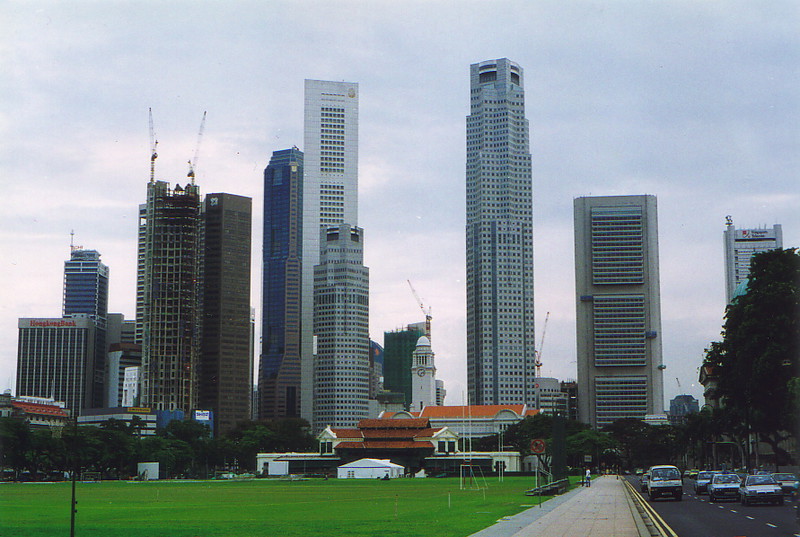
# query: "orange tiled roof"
(347, 433)
(474, 411)
(39, 409)
(379, 444)
(381, 423)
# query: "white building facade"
(499, 236)
(423, 376)
(330, 195)
(740, 246)
(620, 372)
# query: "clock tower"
(423, 376)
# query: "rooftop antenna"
(153, 146)
(72, 246)
(193, 162)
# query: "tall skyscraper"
(330, 195)
(740, 246)
(620, 373)
(341, 328)
(167, 310)
(86, 285)
(225, 367)
(86, 292)
(279, 366)
(55, 358)
(500, 321)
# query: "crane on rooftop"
(425, 311)
(538, 352)
(193, 162)
(153, 145)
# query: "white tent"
(370, 469)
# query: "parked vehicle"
(760, 488)
(702, 480)
(665, 480)
(789, 483)
(724, 487)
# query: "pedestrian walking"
(588, 478)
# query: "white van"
(665, 480)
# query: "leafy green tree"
(15, 441)
(757, 359)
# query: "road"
(695, 516)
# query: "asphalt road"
(695, 516)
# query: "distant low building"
(681, 406)
(39, 412)
(143, 419)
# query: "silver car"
(724, 487)
(760, 488)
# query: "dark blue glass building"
(86, 292)
(279, 366)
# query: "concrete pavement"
(602, 510)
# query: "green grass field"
(356, 508)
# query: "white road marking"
(771, 525)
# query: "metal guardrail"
(549, 489)
(655, 524)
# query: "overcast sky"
(695, 102)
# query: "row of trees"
(184, 448)
(757, 362)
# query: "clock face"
(421, 372)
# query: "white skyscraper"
(330, 195)
(620, 373)
(500, 321)
(740, 246)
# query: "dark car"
(724, 487)
(760, 488)
(701, 481)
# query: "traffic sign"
(538, 446)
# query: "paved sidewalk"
(602, 510)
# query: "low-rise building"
(472, 421)
(144, 420)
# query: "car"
(665, 480)
(788, 482)
(724, 486)
(643, 482)
(702, 480)
(760, 488)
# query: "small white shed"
(370, 469)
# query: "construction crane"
(538, 352)
(425, 311)
(193, 162)
(153, 145)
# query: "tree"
(757, 359)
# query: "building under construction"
(167, 309)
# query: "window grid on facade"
(619, 330)
(620, 397)
(617, 245)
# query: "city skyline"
(699, 110)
